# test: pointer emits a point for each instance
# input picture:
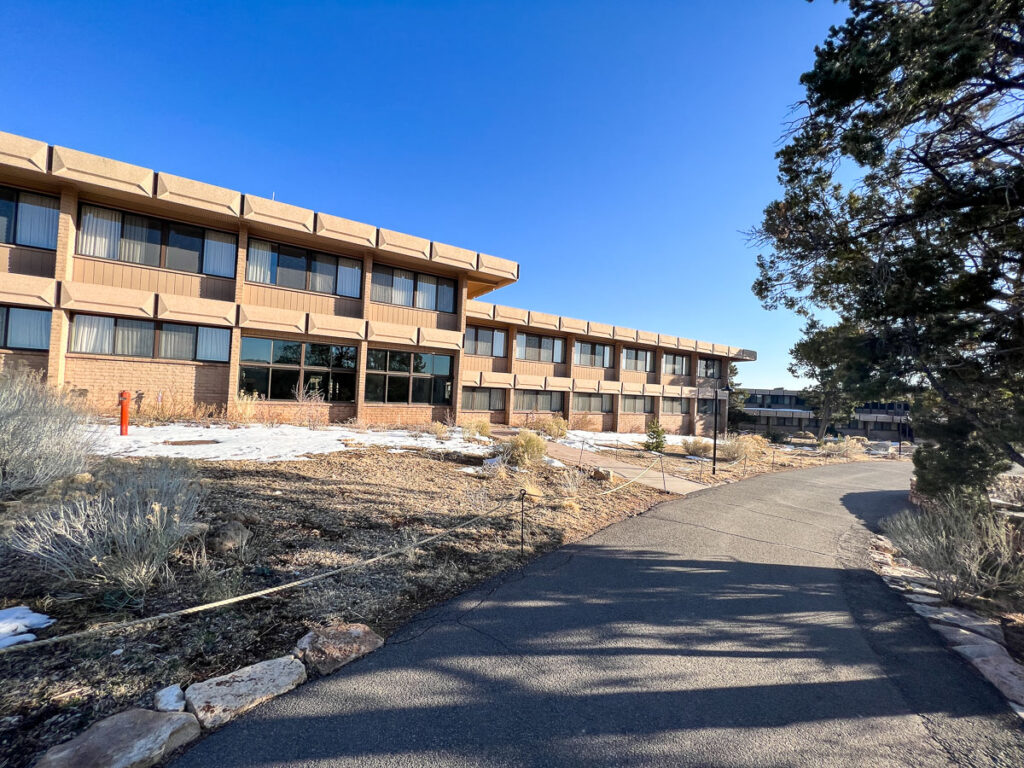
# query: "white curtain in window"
(28, 328)
(498, 348)
(37, 220)
(322, 273)
(350, 277)
(100, 235)
(177, 342)
(94, 335)
(213, 344)
(445, 296)
(140, 241)
(401, 291)
(219, 252)
(133, 338)
(383, 278)
(426, 292)
(259, 267)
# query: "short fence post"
(522, 522)
(125, 399)
(664, 483)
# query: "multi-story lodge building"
(785, 410)
(115, 277)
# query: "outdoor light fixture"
(714, 438)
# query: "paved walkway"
(606, 460)
(738, 626)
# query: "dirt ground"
(305, 517)
(770, 459)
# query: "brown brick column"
(60, 324)
(235, 354)
(363, 346)
(570, 362)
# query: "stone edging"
(139, 738)
(978, 639)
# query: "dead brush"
(570, 482)
(244, 411)
(523, 449)
(554, 428)
(438, 430)
(695, 446)
(311, 411)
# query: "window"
(533, 400)
(136, 239)
(290, 267)
(637, 360)
(483, 399)
(593, 354)
(273, 369)
(637, 404)
(96, 335)
(676, 365)
(592, 403)
(408, 378)
(709, 368)
(675, 405)
(28, 219)
(485, 341)
(412, 289)
(542, 349)
(706, 406)
(24, 328)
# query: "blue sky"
(615, 150)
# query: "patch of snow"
(286, 442)
(553, 462)
(608, 441)
(15, 623)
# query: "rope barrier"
(195, 609)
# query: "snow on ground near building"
(261, 443)
(15, 623)
(606, 441)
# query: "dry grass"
(438, 430)
(305, 517)
(522, 450)
(554, 428)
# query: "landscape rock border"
(140, 738)
(978, 639)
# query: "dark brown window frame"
(387, 373)
(14, 222)
(415, 285)
(301, 367)
(165, 225)
(309, 257)
(157, 329)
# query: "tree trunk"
(825, 418)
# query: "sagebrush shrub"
(476, 427)
(44, 435)
(523, 449)
(961, 544)
(695, 446)
(120, 530)
(438, 430)
(555, 427)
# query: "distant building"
(785, 410)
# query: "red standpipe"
(125, 400)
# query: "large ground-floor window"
(535, 400)
(24, 328)
(637, 404)
(584, 402)
(408, 378)
(483, 399)
(675, 405)
(126, 337)
(274, 368)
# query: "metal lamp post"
(714, 438)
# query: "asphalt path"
(738, 626)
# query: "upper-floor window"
(290, 267)
(408, 378)
(706, 406)
(28, 219)
(274, 368)
(676, 365)
(24, 328)
(541, 349)
(99, 335)
(593, 354)
(136, 239)
(412, 289)
(592, 403)
(637, 360)
(535, 400)
(483, 399)
(675, 405)
(709, 368)
(485, 341)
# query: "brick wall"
(592, 422)
(99, 380)
(400, 415)
(633, 422)
(34, 360)
(492, 417)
